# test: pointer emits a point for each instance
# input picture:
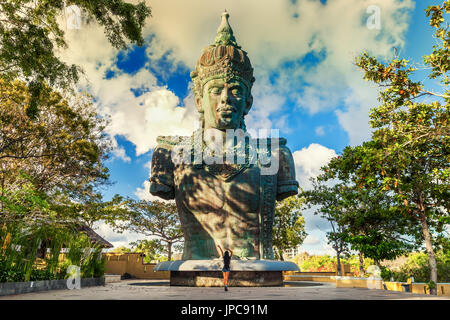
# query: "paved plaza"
(161, 290)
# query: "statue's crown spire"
(225, 33)
(223, 60)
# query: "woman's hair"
(226, 254)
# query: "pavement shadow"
(301, 284)
(167, 283)
(150, 284)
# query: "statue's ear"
(249, 104)
(198, 103)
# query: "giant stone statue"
(227, 201)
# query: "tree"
(30, 34)
(48, 131)
(30, 227)
(330, 208)
(376, 226)
(52, 144)
(61, 152)
(288, 225)
(364, 215)
(150, 218)
(409, 150)
(120, 250)
(50, 168)
(153, 249)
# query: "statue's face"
(224, 103)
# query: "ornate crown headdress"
(222, 60)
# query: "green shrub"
(19, 261)
(37, 275)
(418, 266)
(353, 261)
(326, 263)
(93, 265)
(386, 273)
(323, 263)
(100, 267)
(10, 273)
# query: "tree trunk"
(169, 250)
(280, 253)
(3, 190)
(430, 251)
(361, 265)
(377, 263)
(338, 261)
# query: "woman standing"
(226, 265)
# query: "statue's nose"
(225, 96)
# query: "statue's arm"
(221, 251)
(287, 185)
(161, 180)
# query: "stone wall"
(11, 288)
(132, 264)
(236, 278)
(345, 269)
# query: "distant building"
(177, 256)
(291, 253)
(94, 238)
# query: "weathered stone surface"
(10, 288)
(112, 278)
(217, 264)
(236, 278)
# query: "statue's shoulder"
(169, 142)
(286, 165)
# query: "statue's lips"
(226, 111)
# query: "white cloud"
(141, 119)
(119, 152)
(316, 244)
(115, 238)
(266, 104)
(320, 131)
(311, 240)
(308, 162)
(355, 118)
(158, 111)
(271, 35)
(143, 192)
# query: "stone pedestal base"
(244, 273)
(236, 278)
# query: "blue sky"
(306, 85)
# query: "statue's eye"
(215, 90)
(236, 92)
